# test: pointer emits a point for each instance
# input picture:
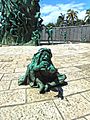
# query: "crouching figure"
(41, 72)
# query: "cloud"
(81, 14)
(50, 13)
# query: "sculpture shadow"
(59, 90)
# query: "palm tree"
(50, 25)
(87, 17)
(60, 20)
(79, 22)
(71, 16)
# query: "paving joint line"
(2, 76)
(81, 117)
(9, 90)
(10, 84)
(26, 95)
(77, 79)
(84, 97)
(5, 106)
(58, 110)
(77, 93)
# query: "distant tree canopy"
(71, 19)
(87, 17)
(50, 24)
(60, 20)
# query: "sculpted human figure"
(24, 19)
(49, 31)
(41, 72)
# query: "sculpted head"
(45, 54)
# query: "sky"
(51, 9)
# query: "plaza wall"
(69, 33)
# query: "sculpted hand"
(52, 69)
(43, 64)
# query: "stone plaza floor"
(25, 103)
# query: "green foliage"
(71, 16)
(87, 17)
(60, 20)
(79, 22)
(71, 19)
(50, 25)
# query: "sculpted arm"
(41, 66)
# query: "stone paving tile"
(73, 107)
(0, 64)
(86, 95)
(80, 119)
(72, 59)
(20, 70)
(20, 65)
(79, 61)
(88, 79)
(1, 75)
(4, 85)
(57, 64)
(7, 71)
(83, 62)
(72, 88)
(14, 85)
(68, 70)
(13, 97)
(62, 64)
(86, 72)
(6, 78)
(84, 67)
(8, 65)
(73, 75)
(11, 76)
(4, 64)
(35, 111)
(5, 58)
(33, 95)
(76, 87)
(87, 117)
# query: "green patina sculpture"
(49, 31)
(42, 73)
(36, 37)
(65, 35)
(19, 19)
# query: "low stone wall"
(69, 33)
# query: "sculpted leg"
(58, 79)
(40, 85)
(61, 77)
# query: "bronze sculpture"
(42, 73)
(49, 31)
(19, 19)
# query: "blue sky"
(54, 2)
(51, 9)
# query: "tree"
(87, 17)
(79, 22)
(71, 16)
(50, 25)
(60, 20)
